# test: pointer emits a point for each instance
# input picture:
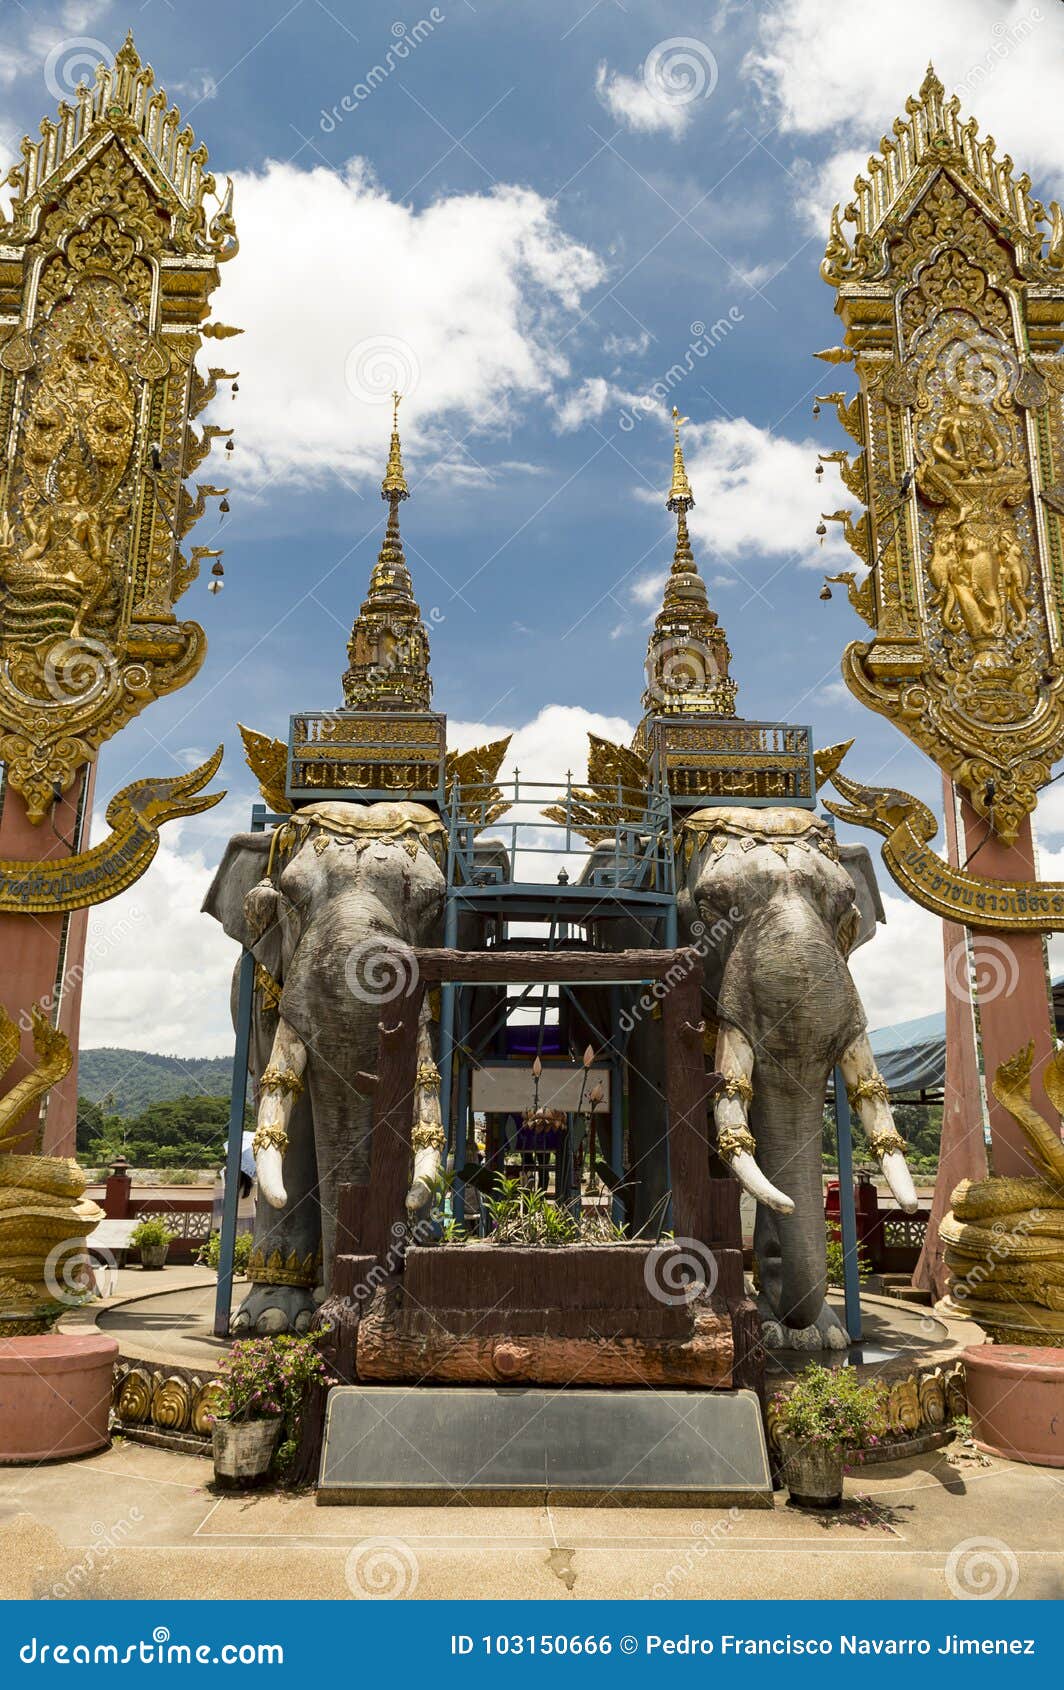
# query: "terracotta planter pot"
(153, 1255)
(812, 1473)
(243, 1450)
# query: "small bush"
(836, 1265)
(833, 1407)
(210, 1251)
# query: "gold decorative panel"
(107, 264)
(953, 304)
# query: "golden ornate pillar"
(107, 264)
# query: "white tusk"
(897, 1175)
(427, 1137)
(735, 1060)
(751, 1178)
(269, 1168)
(869, 1096)
(280, 1084)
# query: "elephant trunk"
(791, 1247)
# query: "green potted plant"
(264, 1383)
(152, 1237)
(828, 1413)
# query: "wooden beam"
(578, 968)
(687, 1090)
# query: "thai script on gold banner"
(135, 815)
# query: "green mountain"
(126, 1082)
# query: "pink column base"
(55, 1395)
(1016, 1401)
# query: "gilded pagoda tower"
(687, 656)
(389, 647)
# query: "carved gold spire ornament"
(953, 305)
(389, 648)
(687, 655)
(107, 264)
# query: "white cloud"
(757, 495)
(591, 400)
(899, 972)
(847, 71)
(157, 971)
(630, 101)
(345, 293)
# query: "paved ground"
(141, 1522)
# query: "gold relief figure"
(66, 562)
(976, 567)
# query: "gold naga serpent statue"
(1004, 1237)
(44, 1216)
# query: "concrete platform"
(143, 1523)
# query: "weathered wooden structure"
(625, 1314)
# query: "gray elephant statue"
(775, 906)
(326, 902)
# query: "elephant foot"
(269, 1309)
(826, 1333)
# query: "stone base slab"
(506, 1446)
(55, 1395)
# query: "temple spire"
(389, 648)
(687, 656)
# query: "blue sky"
(526, 215)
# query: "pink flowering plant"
(269, 1378)
(833, 1408)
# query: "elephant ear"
(240, 871)
(857, 861)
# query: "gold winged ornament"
(267, 759)
(618, 791)
(475, 775)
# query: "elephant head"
(776, 910)
(331, 903)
